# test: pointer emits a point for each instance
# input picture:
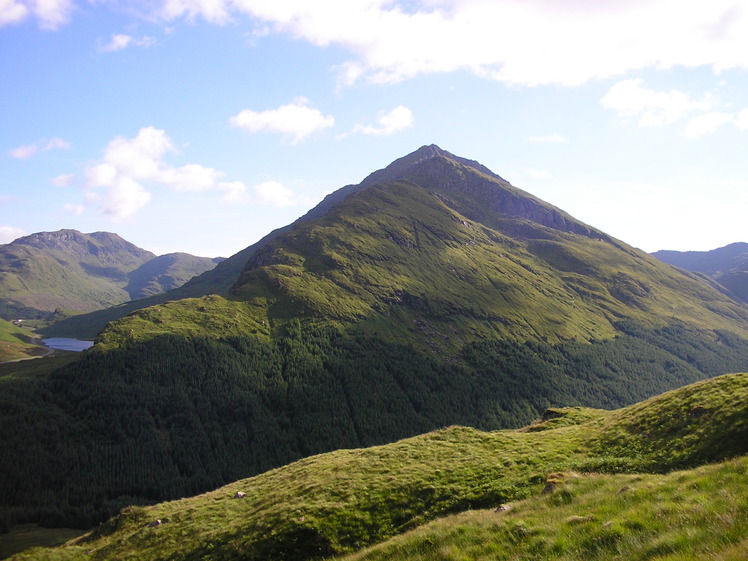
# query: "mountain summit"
(442, 251)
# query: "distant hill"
(72, 271)
(576, 484)
(727, 265)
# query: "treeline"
(173, 417)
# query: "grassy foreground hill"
(555, 475)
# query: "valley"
(427, 343)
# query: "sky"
(201, 125)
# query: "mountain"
(727, 265)
(548, 491)
(466, 241)
(165, 273)
(431, 294)
(71, 271)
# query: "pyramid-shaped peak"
(402, 166)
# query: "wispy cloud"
(390, 122)
(43, 145)
(49, 14)
(62, 180)
(120, 41)
(630, 98)
(295, 121)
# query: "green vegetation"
(340, 502)
(166, 416)
(432, 294)
(69, 270)
(684, 516)
(25, 536)
(16, 342)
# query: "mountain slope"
(727, 265)
(445, 252)
(69, 270)
(340, 502)
(166, 272)
(441, 296)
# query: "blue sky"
(201, 125)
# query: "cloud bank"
(534, 42)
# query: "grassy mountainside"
(727, 265)
(344, 501)
(165, 273)
(172, 415)
(69, 270)
(449, 254)
(433, 293)
(15, 342)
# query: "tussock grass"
(343, 501)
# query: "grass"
(341, 502)
(24, 536)
(16, 342)
(686, 515)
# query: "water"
(67, 344)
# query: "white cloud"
(62, 180)
(50, 14)
(295, 121)
(707, 124)
(548, 139)
(654, 109)
(119, 41)
(23, 152)
(12, 11)
(43, 145)
(236, 192)
(742, 119)
(274, 194)
(10, 233)
(129, 163)
(400, 118)
(532, 42)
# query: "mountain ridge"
(72, 271)
(727, 266)
(443, 296)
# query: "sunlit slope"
(342, 501)
(431, 260)
(15, 342)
